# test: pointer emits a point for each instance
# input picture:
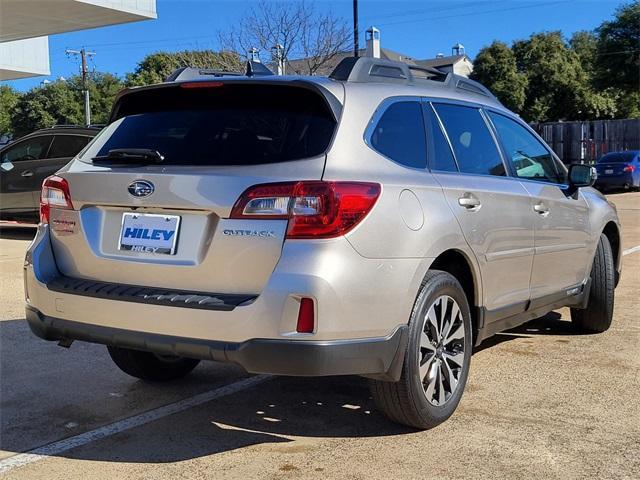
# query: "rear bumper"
(619, 180)
(380, 357)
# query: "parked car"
(26, 162)
(619, 170)
(371, 223)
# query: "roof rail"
(252, 69)
(368, 69)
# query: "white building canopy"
(25, 19)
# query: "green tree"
(558, 87)
(618, 49)
(40, 107)
(495, 67)
(8, 100)
(585, 45)
(155, 68)
(62, 103)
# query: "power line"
(478, 12)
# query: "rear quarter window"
(399, 134)
(222, 125)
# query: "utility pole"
(83, 53)
(355, 28)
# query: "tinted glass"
(440, 155)
(223, 125)
(474, 147)
(399, 134)
(32, 149)
(67, 146)
(529, 158)
(618, 157)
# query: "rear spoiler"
(332, 101)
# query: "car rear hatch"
(152, 195)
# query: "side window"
(399, 134)
(475, 149)
(32, 149)
(67, 146)
(530, 159)
(440, 155)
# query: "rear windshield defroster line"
(231, 124)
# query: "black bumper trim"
(381, 357)
(151, 295)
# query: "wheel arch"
(612, 232)
(458, 264)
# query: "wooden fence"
(587, 141)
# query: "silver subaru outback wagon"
(379, 222)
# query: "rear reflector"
(315, 209)
(55, 193)
(306, 314)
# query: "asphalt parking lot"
(541, 401)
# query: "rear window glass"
(621, 157)
(222, 125)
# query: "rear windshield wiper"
(130, 155)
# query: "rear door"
(491, 208)
(216, 140)
(561, 221)
(18, 173)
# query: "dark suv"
(25, 163)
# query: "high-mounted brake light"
(201, 85)
(55, 193)
(315, 209)
(629, 168)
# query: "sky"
(420, 29)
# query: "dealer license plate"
(149, 233)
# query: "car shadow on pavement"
(17, 232)
(276, 412)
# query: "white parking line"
(61, 446)
(629, 251)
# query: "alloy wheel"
(441, 350)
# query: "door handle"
(469, 201)
(541, 208)
(27, 173)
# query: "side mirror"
(581, 175)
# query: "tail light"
(55, 193)
(629, 168)
(315, 209)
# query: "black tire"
(406, 401)
(149, 366)
(599, 312)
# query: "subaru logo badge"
(141, 188)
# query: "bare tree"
(313, 39)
